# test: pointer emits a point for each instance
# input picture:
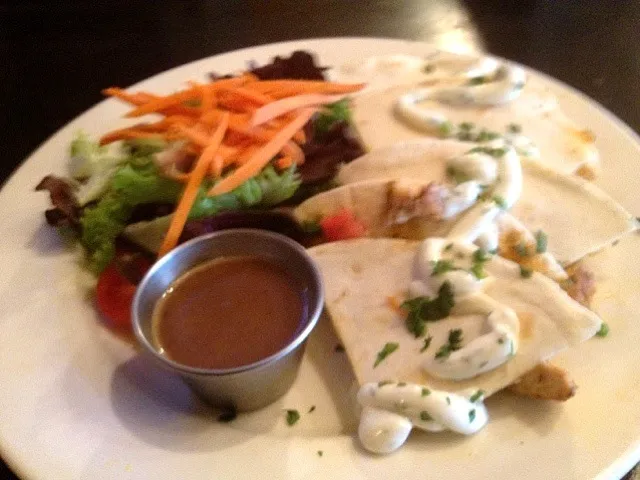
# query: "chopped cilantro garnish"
(313, 407)
(476, 396)
(445, 129)
(499, 201)
(486, 136)
(477, 269)
(425, 392)
(472, 415)
(494, 152)
(428, 68)
(384, 382)
(292, 417)
(425, 417)
(500, 340)
(442, 266)
(427, 343)
(402, 384)
(525, 272)
(425, 309)
(387, 350)
(310, 227)
(521, 249)
(541, 241)
(227, 415)
(604, 330)
(448, 247)
(457, 176)
(479, 80)
(466, 126)
(320, 453)
(453, 343)
(514, 128)
(480, 256)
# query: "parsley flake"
(424, 309)
(499, 201)
(541, 241)
(425, 417)
(292, 417)
(310, 227)
(445, 129)
(427, 343)
(320, 453)
(313, 407)
(448, 400)
(479, 80)
(384, 382)
(442, 266)
(453, 343)
(521, 249)
(480, 256)
(476, 396)
(387, 350)
(429, 68)
(514, 128)
(425, 392)
(448, 247)
(402, 384)
(494, 152)
(604, 330)
(472, 415)
(525, 272)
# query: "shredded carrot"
(394, 303)
(179, 98)
(293, 151)
(276, 88)
(263, 156)
(196, 176)
(281, 107)
(235, 124)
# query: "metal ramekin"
(246, 387)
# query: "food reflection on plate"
(450, 251)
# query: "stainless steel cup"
(246, 387)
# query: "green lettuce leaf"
(139, 182)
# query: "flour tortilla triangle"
(563, 145)
(577, 217)
(360, 275)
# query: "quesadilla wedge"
(577, 217)
(533, 120)
(362, 275)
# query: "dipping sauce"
(229, 312)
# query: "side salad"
(241, 146)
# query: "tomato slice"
(114, 295)
(342, 226)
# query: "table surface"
(57, 56)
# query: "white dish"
(78, 402)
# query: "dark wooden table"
(55, 56)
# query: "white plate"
(77, 402)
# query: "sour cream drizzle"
(505, 86)
(391, 411)
(501, 83)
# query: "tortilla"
(563, 145)
(577, 217)
(360, 275)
